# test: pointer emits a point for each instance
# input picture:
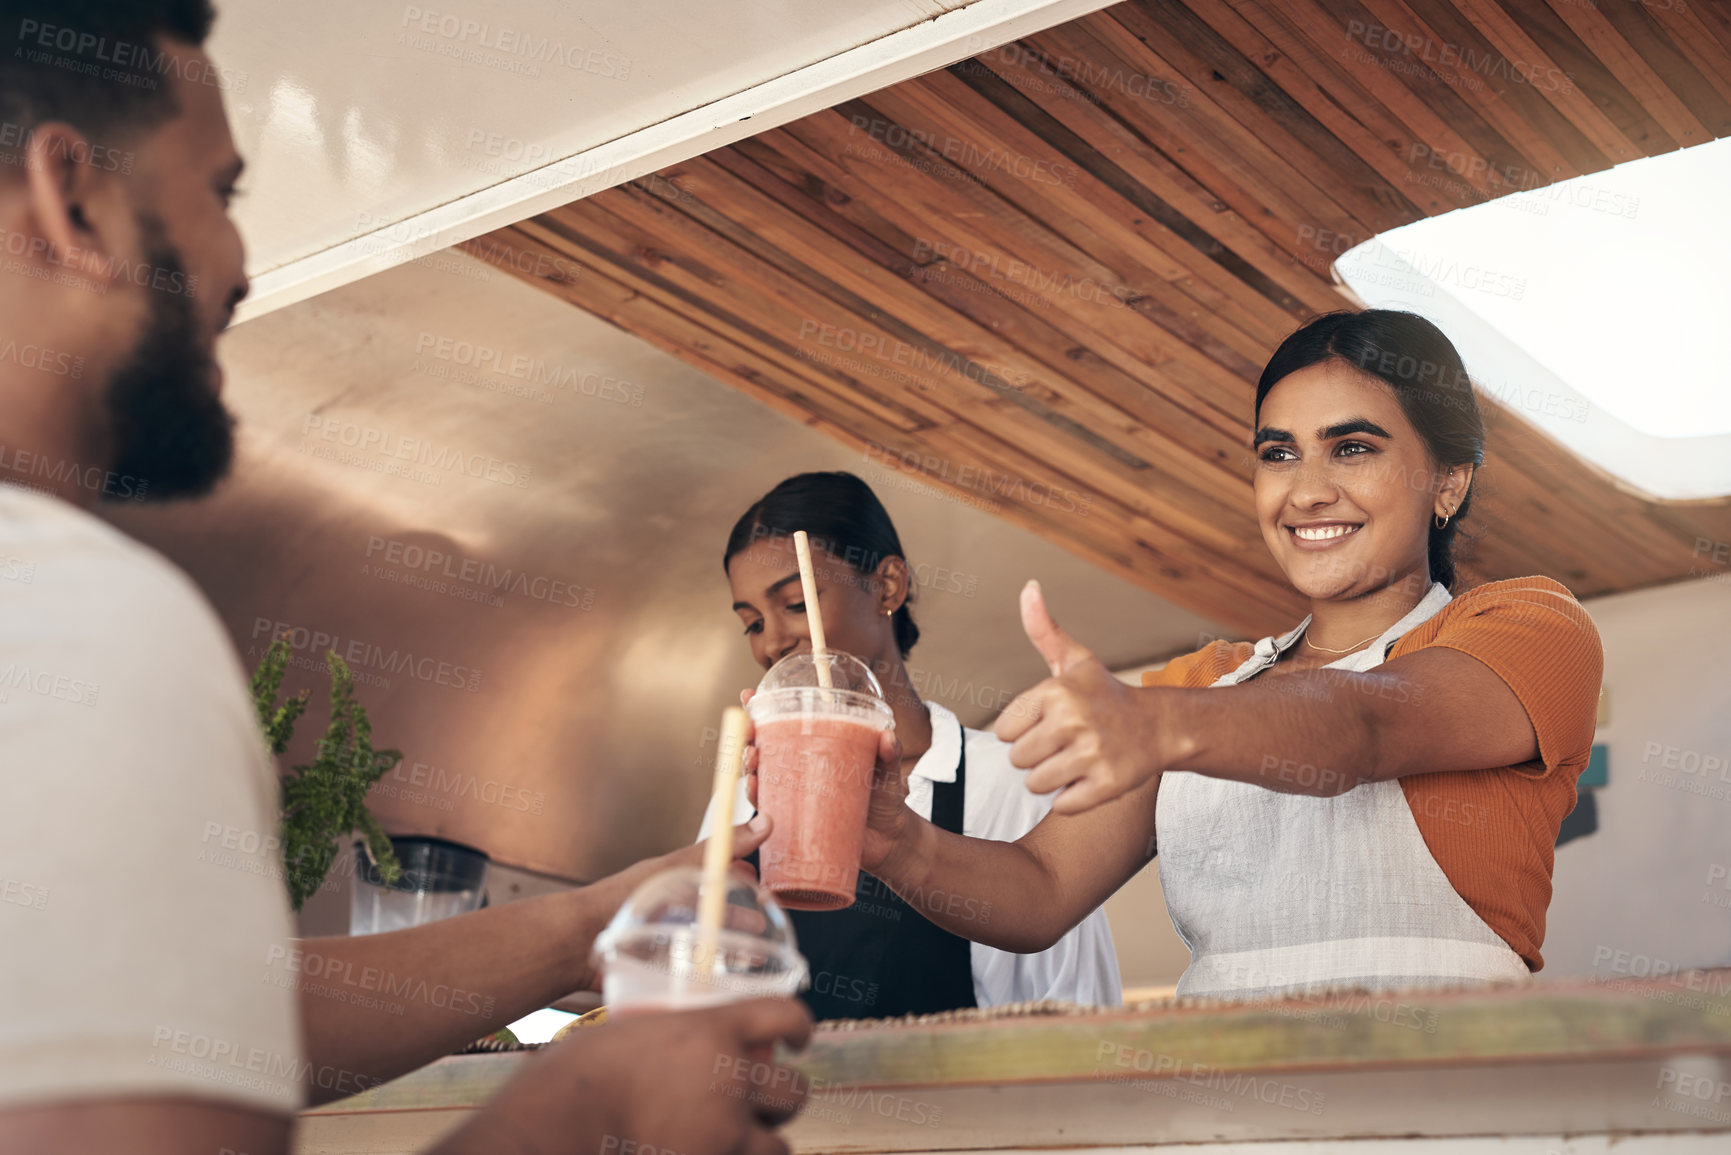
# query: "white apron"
(1290, 894)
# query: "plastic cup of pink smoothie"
(816, 750)
(654, 957)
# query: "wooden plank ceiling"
(1044, 281)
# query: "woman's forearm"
(1022, 896)
(994, 893)
(1299, 734)
(1323, 732)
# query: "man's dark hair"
(99, 65)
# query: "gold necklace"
(1348, 649)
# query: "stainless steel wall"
(392, 475)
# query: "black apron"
(880, 958)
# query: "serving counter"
(1551, 1069)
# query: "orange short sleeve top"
(1494, 831)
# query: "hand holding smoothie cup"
(820, 718)
(696, 937)
(817, 750)
(657, 956)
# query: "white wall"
(1641, 883)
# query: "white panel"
(360, 120)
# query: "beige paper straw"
(808, 582)
(718, 852)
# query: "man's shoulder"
(92, 585)
(109, 624)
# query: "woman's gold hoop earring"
(1441, 522)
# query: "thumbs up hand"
(1081, 731)
(1061, 651)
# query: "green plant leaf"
(325, 799)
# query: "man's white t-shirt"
(141, 893)
(1081, 967)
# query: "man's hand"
(696, 1082)
(1081, 731)
(609, 894)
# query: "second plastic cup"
(816, 750)
(654, 957)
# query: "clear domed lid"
(799, 671)
(659, 922)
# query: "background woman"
(1370, 798)
(880, 957)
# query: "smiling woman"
(1370, 799)
(1367, 365)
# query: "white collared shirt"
(1081, 967)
